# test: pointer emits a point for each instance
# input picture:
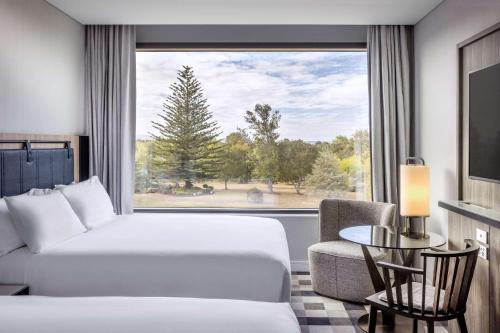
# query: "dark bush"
(255, 195)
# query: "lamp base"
(415, 235)
(408, 232)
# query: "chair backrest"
(453, 272)
(452, 275)
(336, 214)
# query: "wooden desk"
(483, 305)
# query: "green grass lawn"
(235, 196)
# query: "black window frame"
(245, 47)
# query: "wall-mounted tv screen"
(484, 124)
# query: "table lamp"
(414, 197)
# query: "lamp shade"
(414, 182)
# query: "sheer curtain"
(390, 72)
(110, 108)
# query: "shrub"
(255, 195)
(193, 191)
(164, 189)
(208, 189)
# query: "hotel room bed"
(177, 255)
(23, 314)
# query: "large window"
(267, 129)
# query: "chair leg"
(389, 319)
(462, 324)
(430, 326)
(415, 326)
(372, 321)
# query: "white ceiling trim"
(301, 12)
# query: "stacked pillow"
(43, 217)
(43, 220)
(9, 239)
(90, 201)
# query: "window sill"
(254, 211)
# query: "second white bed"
(27, 314)
(205, 256)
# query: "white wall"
(41, 69)
(436, 39)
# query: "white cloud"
(320, 94)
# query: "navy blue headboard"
(27, 168)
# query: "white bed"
(178, 255)
(23, 314)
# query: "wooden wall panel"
(75, 144)
(494, 280)
(478, 310)
(477, 55)
(483, 307)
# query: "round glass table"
(382, 237)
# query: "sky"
(319, 94)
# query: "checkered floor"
(318, 314)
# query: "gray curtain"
(390, 75)
(110, 108)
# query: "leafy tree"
(361, 143)
(264, 122)
(361, 140)
(236, 157)
(352, 167)
(144, 170)
(326, 173)
(353, 155)
(296, 160)
(187, 146)
(320, 145)
(342, 147)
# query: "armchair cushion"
(345, 249)
(417, 296)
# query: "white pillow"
(43, 220)
(39, 191)
(9, 239)
(90, 201)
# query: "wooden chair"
(445, 299)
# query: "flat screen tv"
(484, 124)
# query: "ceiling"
(246, 11)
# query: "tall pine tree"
(187, 145)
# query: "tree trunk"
(187, 184)
(225, 184)
(270, 185)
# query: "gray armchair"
(338, 267)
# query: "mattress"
(13, 266)
(176, 255)
(143, 315)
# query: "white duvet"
(23, 314)
(206, 256)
